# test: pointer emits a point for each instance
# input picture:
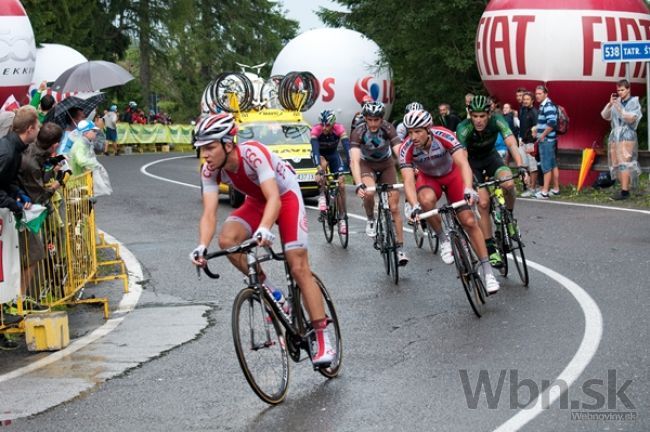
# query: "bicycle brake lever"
(198, 272)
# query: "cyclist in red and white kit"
(272, 196)
(442, 165)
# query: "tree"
(429, 45)
(84, 25)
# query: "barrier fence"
(57, 260)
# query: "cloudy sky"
(303, 12)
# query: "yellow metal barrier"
(61, 259)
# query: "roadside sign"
(626, 51)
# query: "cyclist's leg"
(240, 226)
(292, 224)
(428, 191)
(509, 186)
(368, 178)
(322, 183)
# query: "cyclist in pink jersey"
(442, 165)
(272, 196)
(325, 138)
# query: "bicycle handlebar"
(385, 187)
(244, 247)
(441, 209)
(335, 175)
(497, 181)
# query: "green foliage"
(429, 45)
(84, 25)
(172, 47)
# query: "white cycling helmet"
(373, 109)
(413, 106)
(417, 119)
(215, 127)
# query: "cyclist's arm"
(460, 159)
(511, 142)
(355, 164)
(315, 151)
(208, 221)
(346, 146)
(408, 177)
(271, 192)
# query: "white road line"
(127, 304)
(590, 340)
(603, 207)
(143, 170)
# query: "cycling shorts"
(292, 221)
(385, 168)
(487, 167)
(451, 183)
(333, 161)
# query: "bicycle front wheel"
(391, 247)
(433, 240)
(344, 237)
(326, 219)
(260, 346)
(463, 263)
(418, 234)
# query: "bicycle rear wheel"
(516, 247)
(260, 346)
(463, 263)
(326, 219)
(335, 332)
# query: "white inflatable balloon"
(345, 64)
(17, 51)
(54, 59)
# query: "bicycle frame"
(294, 324)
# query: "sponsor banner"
(9, 258)
(154, 134)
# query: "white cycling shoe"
(446, 254)
(322, 352)
(491, 284)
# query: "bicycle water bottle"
(282, 301)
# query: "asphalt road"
(413, 353)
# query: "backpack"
(562, 126)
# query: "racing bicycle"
(265, 336)
(421, 229)
(385, 240)
(506, 230)
(334, 215)
(465, 259)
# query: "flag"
(34, 217)
(11, 104)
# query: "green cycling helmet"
(479, 103)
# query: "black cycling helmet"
(479, 103)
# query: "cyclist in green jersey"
(479, 133)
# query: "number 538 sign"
(626, 51)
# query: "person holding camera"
(624, 112)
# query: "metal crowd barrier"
(65, 260)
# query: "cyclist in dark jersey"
(479, 134)
(372, 145)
